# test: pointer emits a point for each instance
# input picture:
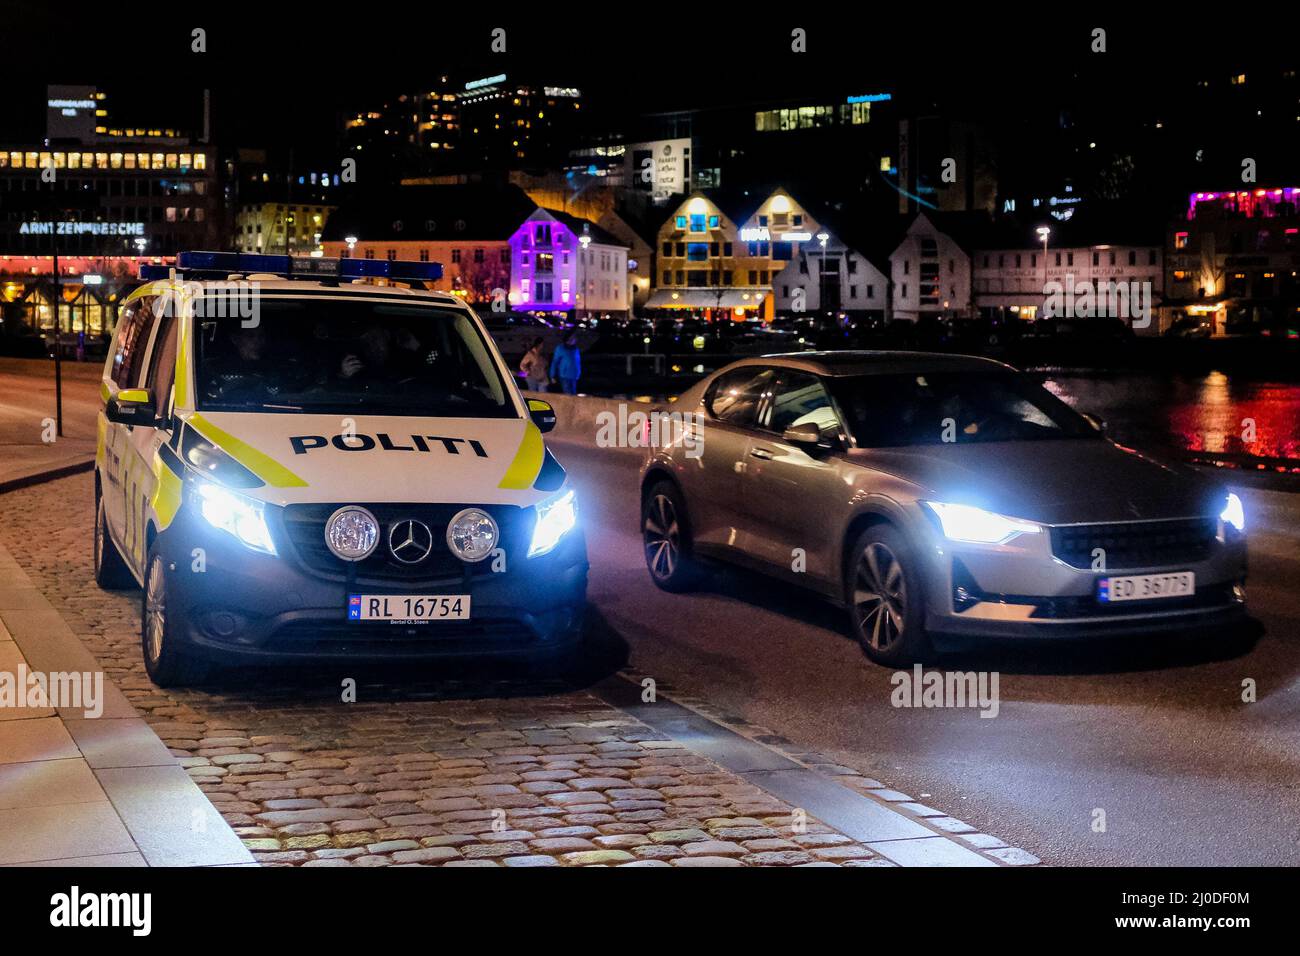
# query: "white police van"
(306, 459)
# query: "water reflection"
(1211, 413)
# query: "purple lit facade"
(561, 264)
(543, 266)
(1250, 203)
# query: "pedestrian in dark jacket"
(566, 364)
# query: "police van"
(308, 459)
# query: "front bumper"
(1022, 589)
(247, 606)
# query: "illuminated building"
(718, 252)
(467, 228)
(408, 133)
(100, 194)
(560, 263)
(834, 273)
(966, 265)
(1234, 258)
(513, 123)
(285, 228)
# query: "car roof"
(867, 362)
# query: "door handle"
(762, 453)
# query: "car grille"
(1136, 544)
(304, 529)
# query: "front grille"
(1135, 544)
(304, 530)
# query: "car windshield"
(332, 356)
(932, 408)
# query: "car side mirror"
(132, 406)
(806, 436)
(1095, 421)
(542, 413)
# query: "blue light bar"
(307, 267)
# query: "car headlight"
(236, 515)
(1234, 513)
(472, 535)
(977, 526)
(555, 518)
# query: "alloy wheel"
(155, 611)
(662, 537)
(879, 596)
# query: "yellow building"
(261, 227)
(717, 255)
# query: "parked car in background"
(1190, 327)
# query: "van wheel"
(167, 664)
(111, 572)
(886, 604)
(667, 540)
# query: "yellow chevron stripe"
(528, 459)
(167, 487)
(260, 464)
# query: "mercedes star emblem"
(410, 541)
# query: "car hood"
(305, 458)
(1055, 482)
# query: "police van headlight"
(555, 518)
(241, 517)
(472, 535)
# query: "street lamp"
(584, 240)
(352, 244)
(1043, 233)
(822, 237)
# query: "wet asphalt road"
(1152, 734)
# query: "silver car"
(936, 494)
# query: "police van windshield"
(331, 356)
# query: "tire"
(167, 664)
(111, 572)
(666, 539)
(885, 598)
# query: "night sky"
(280, 80)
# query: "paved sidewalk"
(27, 403)
(86, 783)
(427, 768)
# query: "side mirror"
(1095, 421)
(542, 413)
(131, 406)
(806, 436)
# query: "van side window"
(162, 366)
(133, 336)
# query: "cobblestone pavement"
(460, 772)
